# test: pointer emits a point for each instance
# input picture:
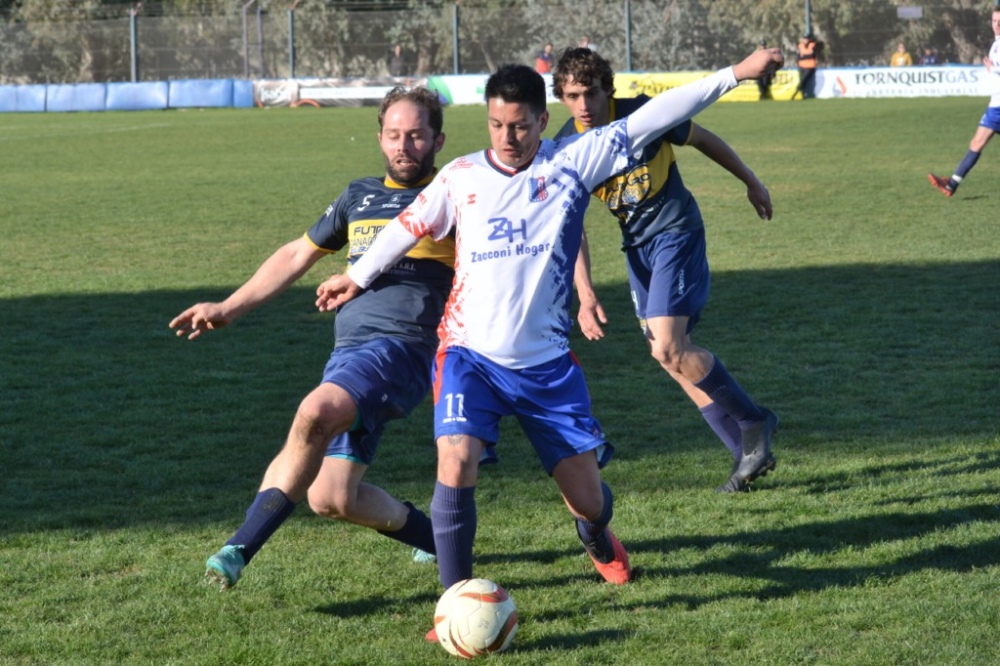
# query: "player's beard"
(412, 173)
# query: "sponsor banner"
(327, 92)
(916, 81)
(630, 84)
(471, 88)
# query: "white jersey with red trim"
(517, 237)
(518, 231)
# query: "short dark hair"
(423, 97)
(586, 68)
(519, 84)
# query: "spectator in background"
(584, 43)
(765, 81)
(397, 63)
(929, 57)
(810, 50)
(901, 58)
(544, 60)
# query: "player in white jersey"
(989, 124)
(517, 210)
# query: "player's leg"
(671, 281)
(387, 379)
(686, 363)
(592, 504)
(989, 124)
(554, 410)
(467, 414)
(340, 494)
(324, 413)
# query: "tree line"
(88, 40)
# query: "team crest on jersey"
(537, 190)
(626, 190)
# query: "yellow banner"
(628, 84)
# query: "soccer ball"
(475, 617)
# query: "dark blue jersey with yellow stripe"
(407, 301)
(650, 198)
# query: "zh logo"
(504, 228)
(538, 191)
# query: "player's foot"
(431, 636)
(225, 566)
(423, 557)
(757, 458)
(610, 558)
(943, 185)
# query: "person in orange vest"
(809, 51)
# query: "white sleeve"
(676, 105)
(392, 244)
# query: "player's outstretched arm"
(676, 105)
(723, 154)
(337, 290)
(275, 275)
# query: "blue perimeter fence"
(139, 96)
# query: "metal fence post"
(133, 35)
(628, 36)
(291, 40)
(457, 62)
(246, 44)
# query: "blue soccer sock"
(416, 532)
(590, 532)
(725, 427)
(269, 510)
(964, 167)
(453, 515)
(722, 388)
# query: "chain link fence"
(261, 39)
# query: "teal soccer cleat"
(225, 566)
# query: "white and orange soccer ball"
(475, 617)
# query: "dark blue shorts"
(669, 276)
(386, 378)
(550, 401)
(991, 118)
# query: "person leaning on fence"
(929, 57)
(902, 57)
(810, 50)
(397, 62)
(544, 60)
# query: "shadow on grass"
(108, 420)
(771, 546)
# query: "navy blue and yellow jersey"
(407, 301)
(650, 198)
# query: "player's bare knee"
(335, 506)
(317, 422)
(668, 356)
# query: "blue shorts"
(669, 276)
(991, 119)
(386, 378)
(550, 401)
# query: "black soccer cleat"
(757, 458)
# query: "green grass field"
(865, 314)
